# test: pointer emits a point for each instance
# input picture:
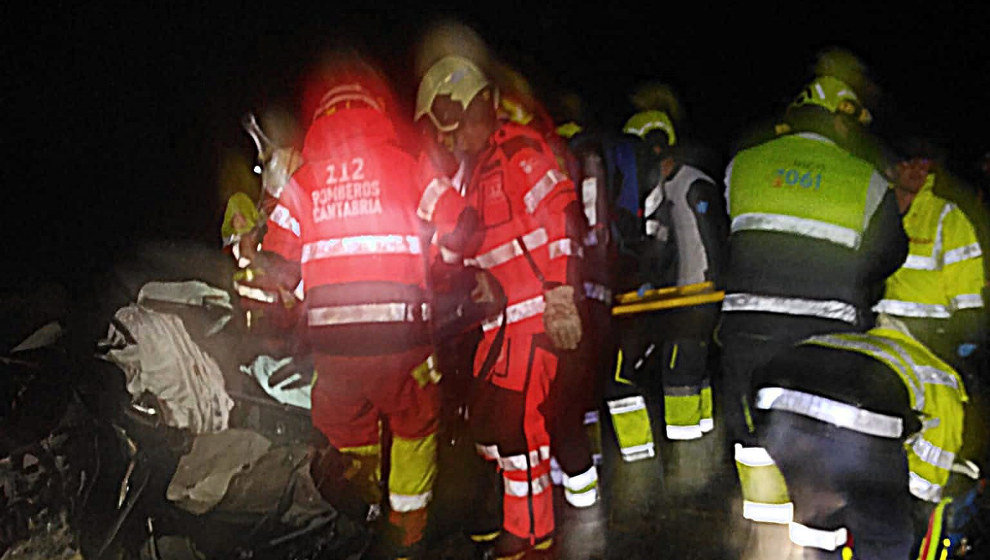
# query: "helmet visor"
(445, 113)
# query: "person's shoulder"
(516, 140)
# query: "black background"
(115, 117)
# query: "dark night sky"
(114, 119)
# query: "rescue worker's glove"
(561, 319)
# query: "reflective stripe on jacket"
(799, 206)
(936, 393)
(944, 270)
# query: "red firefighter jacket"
(349, 217)
(524, 199)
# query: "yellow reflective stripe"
(390, 244)
(682, 414)
(759, 478)
(673, 357)
(283, 219)
(427, 372)
(707, 406)
(618, 371)
(414, 470)
(805, 227)
(935, 529)
(542, 188)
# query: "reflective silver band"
(762, 512)
(591, 238)
(428, 203)
(518, 462)
(903, 360)
(802, 535)
(257, 294)
(806, 227)
(489, 452)
(508, 251)
(935, 376)
(367, 313)
(827, 309)
(598, 292)
(933, 454)
(924, 489)
(282, 217)
(565, 247)
(683, 433)
(918, 262)
(752, 456)
(518, 312)
(403, 502)
(912, 309)
(966, 301)
(958, 254)
(541, 189)
(628, 404)
(834, 412)
(581, 482)
(362, 245)
(520, 488)
(635, 453)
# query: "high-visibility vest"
(937, 395)
(806, 186)
(943, 272)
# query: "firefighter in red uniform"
(526, 241)
(350, 220)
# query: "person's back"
(348, 220)
(867, 392)
(799, 207)
(814, 231)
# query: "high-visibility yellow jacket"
(936, 393)
(943, 273)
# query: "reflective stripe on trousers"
(581, 490)
(764, 491)
(632, 428)
(823, 539)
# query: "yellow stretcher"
(701, 293)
